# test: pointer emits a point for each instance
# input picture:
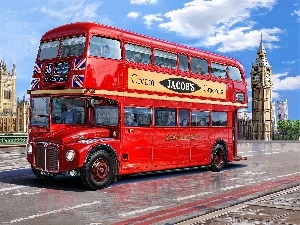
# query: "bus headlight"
(70, 155)
(29, 148)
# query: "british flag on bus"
(35, 83)
(79, 64)
(77, 81)
(37, 67)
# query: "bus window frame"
(133, 45)
(131, 110)
(107, 42)
(212, 70)
(212, 113)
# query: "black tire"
(41, 174)
(98, 171)
(218, 158)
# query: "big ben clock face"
(256, 78)
(268, 78)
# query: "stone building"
(13, 112)
(261, 84)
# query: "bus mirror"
(91, 103)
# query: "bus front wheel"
(98, 171)
(218, 159)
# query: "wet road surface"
(172, 197)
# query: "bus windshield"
(70, 47)
(39, 111)
(68, 111)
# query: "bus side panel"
(165, 148)
(184, 149)
(136, 154)
(223, 133)
(200, 146)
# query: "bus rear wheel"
(98, 171)
(218, 158)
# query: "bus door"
(165, 139)
(136, 139)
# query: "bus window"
(219, 118)
(137, 116)
(39, 111)
(164, 117)
(73, 46)
(49, 50)
(106, 115)
(199, 66)
(104, 47)
(200, 118)
(218, 70)
(164, 59)
(184, 117)
(234, 73)
(183, 63)
(135, 53)
(68, 111)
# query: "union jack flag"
(35, 83)
(37, 67)
(77, 81)
(79, 64)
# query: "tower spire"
(262, 107)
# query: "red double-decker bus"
(106, 102)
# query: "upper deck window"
(135, 53)
(49, 50)
(199, 66)
(73, 46)
(105, 47)
(234, 73)
(164, 59)
(183, 63)
(218, 70)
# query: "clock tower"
(261, 84)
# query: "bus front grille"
(46, 157)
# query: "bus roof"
(97, 28)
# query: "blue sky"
(228, 27)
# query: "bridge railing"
(11, 139)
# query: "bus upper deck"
(73, 57)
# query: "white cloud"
(281, 82)
(78, 10)
(249, 99)
(18, 38)
(149, 19)
(143, 2)
(297, 13)
(275, 95)
(241, 38)
(133, 15)
(284, 82)
(222, 23)
(291, 62)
